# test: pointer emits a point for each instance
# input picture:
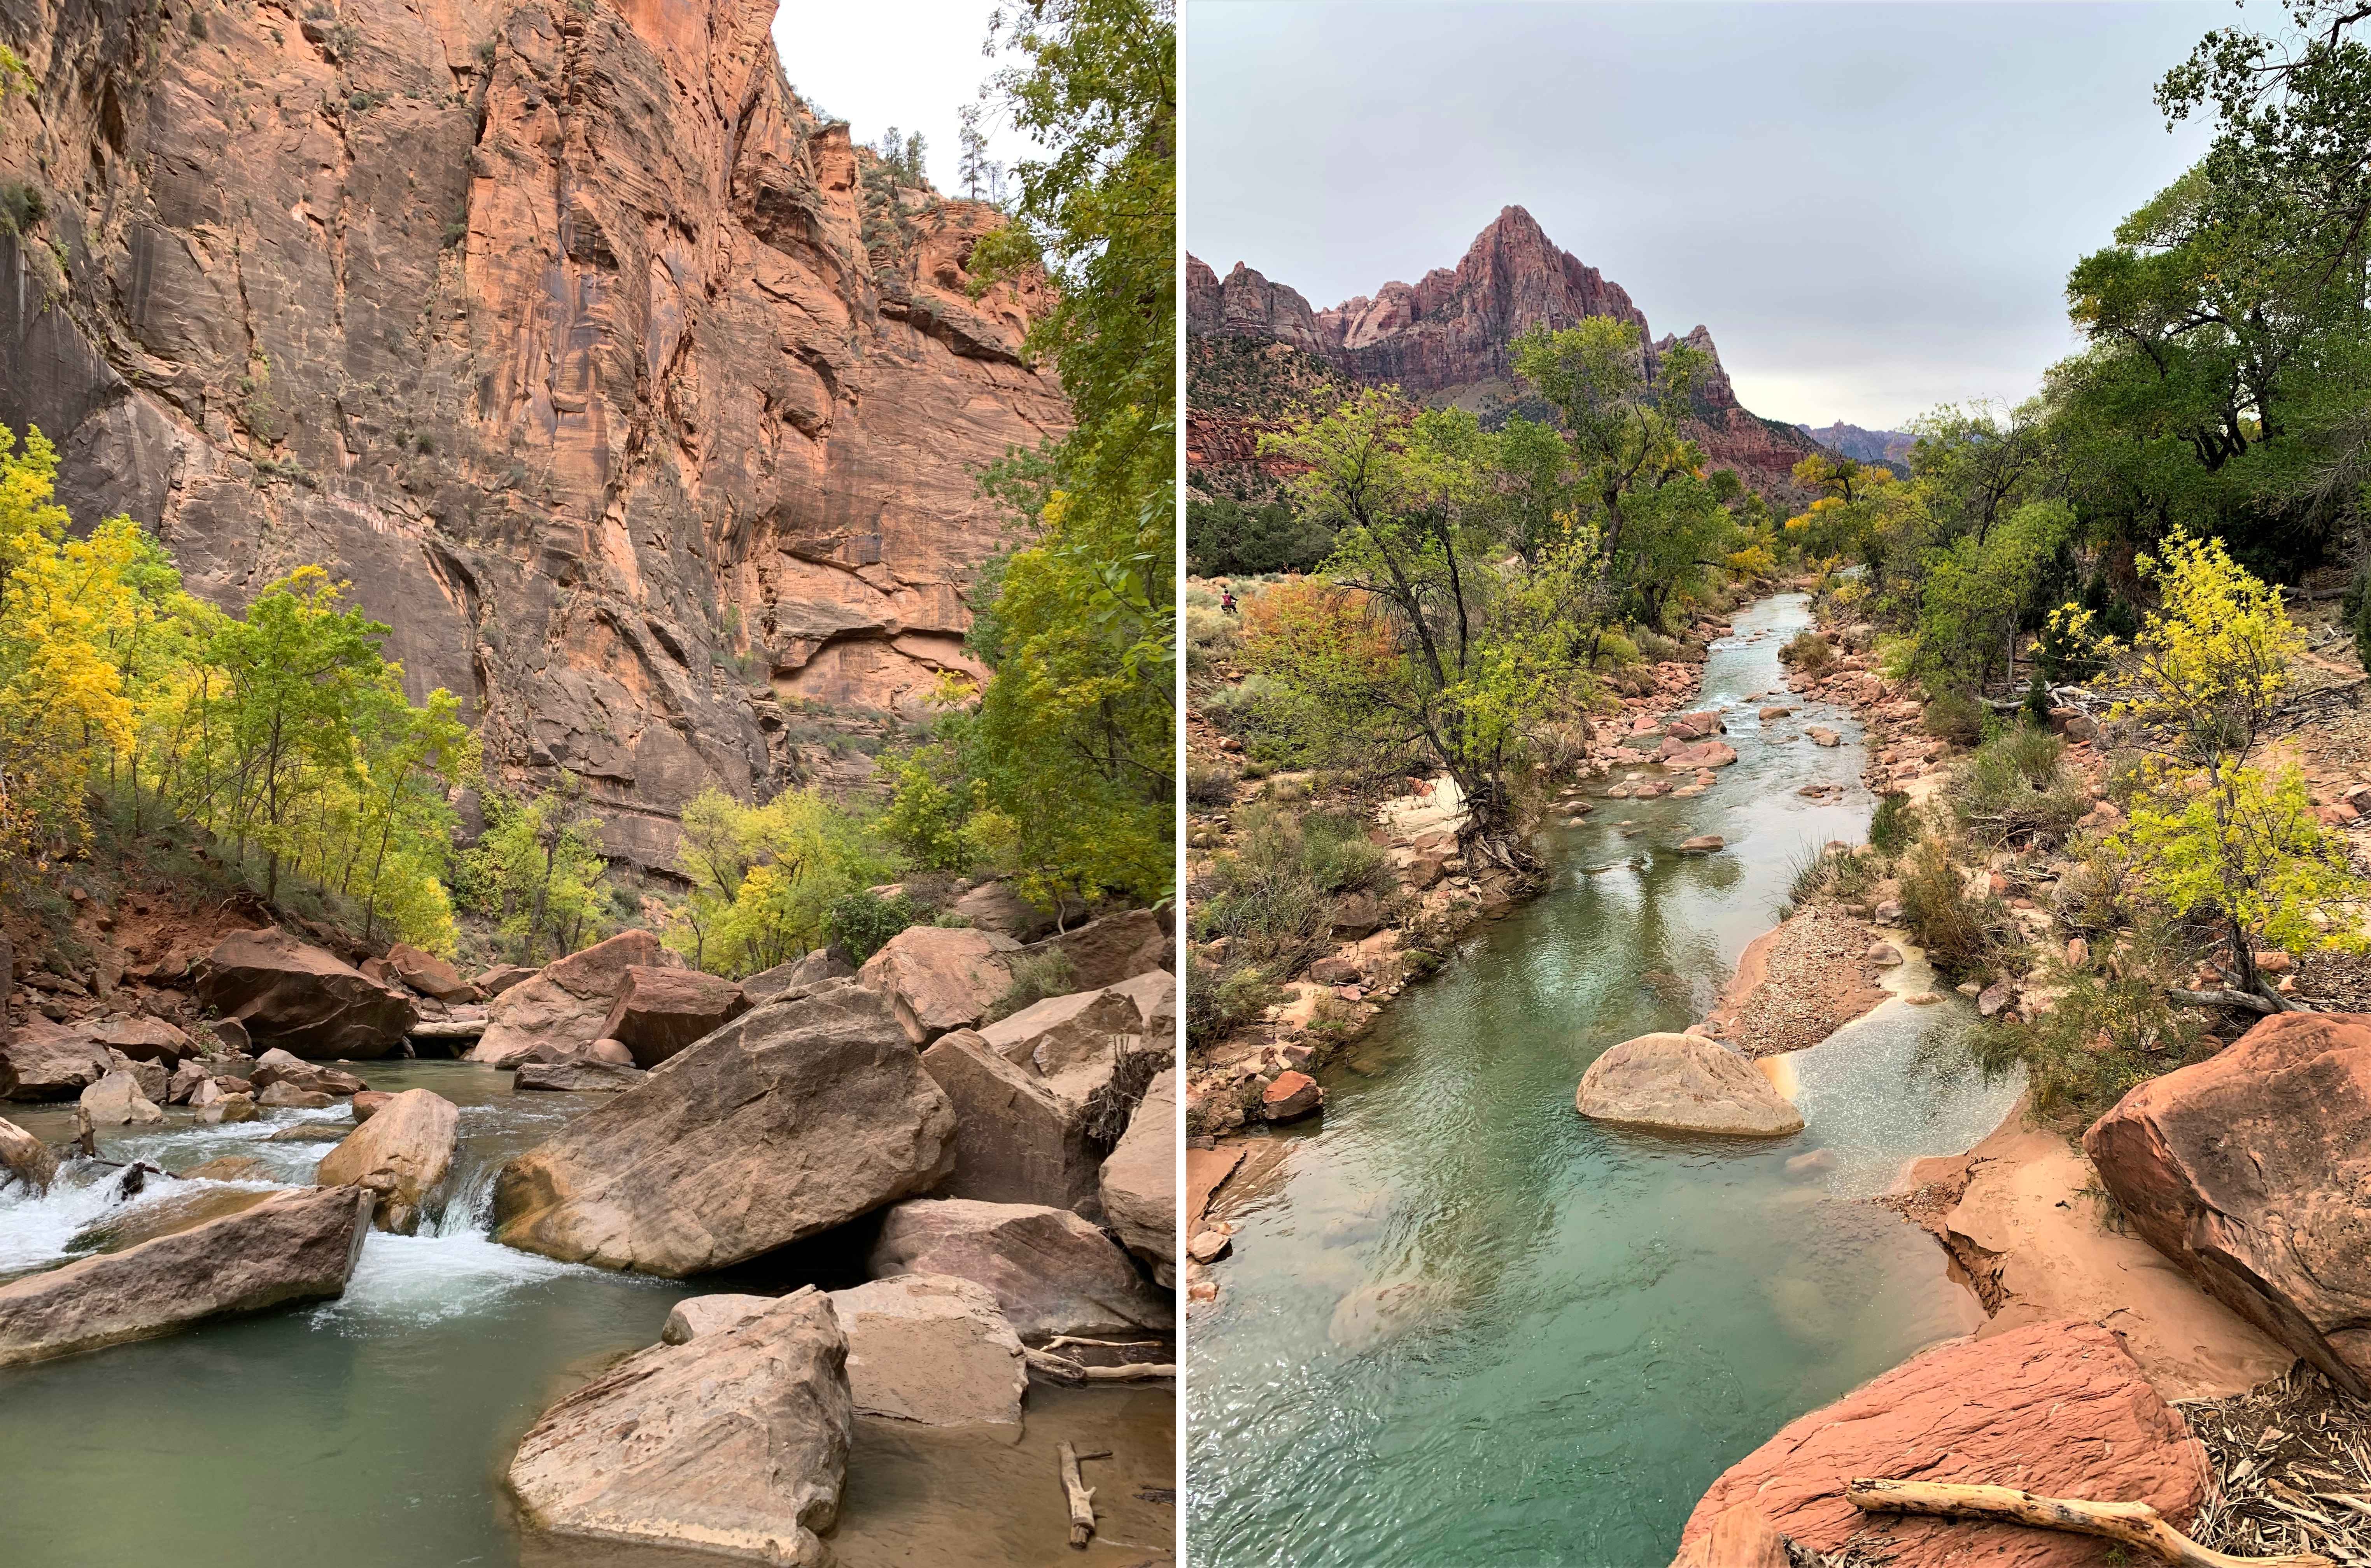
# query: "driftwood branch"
(1062, 1370)
(2247, 1001)
(2132, 1524)
(1079, 1494)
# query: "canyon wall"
(1446, 337)
(563, 329)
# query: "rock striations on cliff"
(620, 386)
(1447, 338)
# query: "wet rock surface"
(401, 1156)
(1683, 1083)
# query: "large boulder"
(1113, 949)
(401, 1156)
(932, 1349)
(697, 1315)
(562, 1008)
(277, 1066)
(788, 1121)
(142, 1038)
(1016, 1141)
(735, 1442)
(1139, 1182)
(800, 977)
(428, 974)
(44, 1062)
(940, 977)
(660, 1011)
(25, 1158)
(2250, 1170)
(116, 1101)
(1052, 1273)
(994, 907)
(1065, 1032)
(1683, 1083)
(301, 998)
(2056, 1409)
(500, 978)
(295, 1246)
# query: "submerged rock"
(297, 1245)
(1683, 1083)
(735, 1441)
(401, 1155)
(788, 1121)
(301, 998)
(1051, 1272)
(2056, 1409)
(2249, 1171)
(933, 1349)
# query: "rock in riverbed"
(401, 1156)
(788, 1121)
(2056, 1409)
(298, 1246)
(1682, 1083)
(932, 1349)
(662, 1010)
(1051, 1272)
(734, 1442)
(115, 1101)
(560, 1010)
(26, 1158)
(41, 1061)
(577, 1077)
(301, 998)
(2250, 1171)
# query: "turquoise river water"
(1464, 1326)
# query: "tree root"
(2131, 1524)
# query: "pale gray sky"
(910, 63)
(1873, 206)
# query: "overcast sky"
(910, 63)
(1873, 206)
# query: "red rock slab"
(1207, 1171)
(2249, 1169)
(2057, 1409)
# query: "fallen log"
(1062, 1370)
(2247, 1001)
(447, 1028)
(1079, 1494)
(2130, 1524)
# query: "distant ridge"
(1890, 447)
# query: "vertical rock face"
(553, 327)
(1451, 333)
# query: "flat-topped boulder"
(2056, 1409)
(401, 1155)
(1051, 1272)
(792, 1119)
(941, 977)
(301, 998)
(1139, 1182)
(661, 1011)
(142, 1038)
(295, 1246)
(560, 1010)
(428, 974)
(733, 1442)
(2250, 1170)
(932, 1349)
(586, 1076)
(1683, 1083)
(41, 1061)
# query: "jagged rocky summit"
(618, 382)
(1447, 338)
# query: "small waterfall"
(467, 1206)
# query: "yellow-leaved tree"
(2201, 684)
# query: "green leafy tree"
(766, 877)
(537, 870)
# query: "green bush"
(2014, 789)
(1035, 977)
(1210, 786)
(2110, 1028)
(1894, 827)
(21, 206)
(1807, 652)
(1222, 997)
(1274, 897)
(1956, 717)
(1228, 538)
(1956, 929)
(863, 923)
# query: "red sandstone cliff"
(548, 324)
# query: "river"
(1464, 1326)
(373, 1431)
